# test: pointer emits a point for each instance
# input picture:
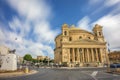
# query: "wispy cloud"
(110, 21)
(30, 29)
(111, 2)
(111, 29)
(84, 23)
(31, 9)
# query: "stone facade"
(4, 50)
(42, 57)
(8, 60)
(78, 47)
(114, 57)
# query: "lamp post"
(109, 53)
(47, 53)
(108, 64)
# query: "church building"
(76, 47)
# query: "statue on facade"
(12, 51)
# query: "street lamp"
(47, 53)
(108, 52)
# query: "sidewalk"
(15, 74)
(78, 67)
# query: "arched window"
(95, 34)
(65, 32)
(80, 37)
(100, 33)
(70, 39)
(88, 37)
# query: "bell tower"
(98, 33)
(65, 32)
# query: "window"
(80, 37)
(65, 32)
(70, 60)
(88, 37)
(95, 34)
(100, 33)
(70, 39)
(60, 53)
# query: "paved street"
(68, 74)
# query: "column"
(78, 55)
(73, 55)
(68, 55)
(92, 54)
(88, 57)
(96, 54)
(88, 53)
(83, 55)
(101, 58)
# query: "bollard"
(26, 70)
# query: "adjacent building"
(42, 57)
(114, 57)
(78, 47)
(8, 60)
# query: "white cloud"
(21, 26)
(2, 37)
(24, 46)
(111, 29)
(15, 24)
(32, 9)
(33, 21)
(84, 23)
(94, 2)
(111, 2)
(110, 25)
(105, 4)
(110, 21)
(44, 32)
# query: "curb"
(16, 74)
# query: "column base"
(95, 64)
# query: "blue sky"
(30, 26)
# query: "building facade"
(78, 47)
(8, 59)
(42, 57)
(114, 57)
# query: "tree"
(45, 60)
(28, 57)
(34, 60)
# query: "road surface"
(68, 74)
